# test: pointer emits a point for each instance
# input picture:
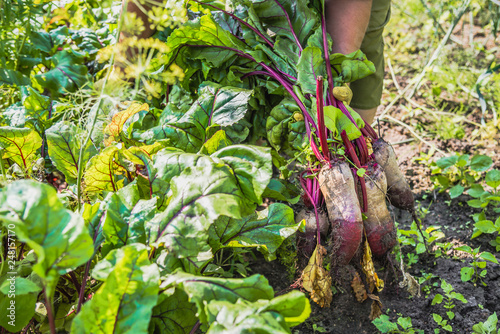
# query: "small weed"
(474, 272)
(403, 325)
(448, 301)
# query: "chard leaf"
(282, 190)
(173, 314)
(199, 196)
(103, 173)
(202, 290)
(14, 115)
(218, 141)
(205, 40)
(64, 149)
(302, 19)
(184, 136)
(266, 230)
(114, 128)
(274, 316)
(351, 67)
(49, 41)
(311, 65)
(124, 302)
(252, 166)
(336, 121)
(125, 217)
(283, 130)
(58, 236)
(66, 75)
(19, 145)
(11, 77)
(217, 105)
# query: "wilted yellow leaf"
(316, 280)
(369, 145)
(411, 284)
(369, 270)
(114, 128)
(359, 288)
(376, 309)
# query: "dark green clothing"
(367, 92)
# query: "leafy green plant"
(427, 278)
(459, 172)
(479, 259)
(448, 301)
(487, 327)
(426, 238)
(442, 322)
(402, 325)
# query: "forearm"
(346, 22)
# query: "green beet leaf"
(217, 141)
(217, 105)
(124, 302)
(124, 219)
(252, 166)
(64, 149)
(199, 196)
(173, 314)
(49, 41)
(272, 17)
(336, 121)
(113, 167)
(202, 290)
(351, 67)
(11, 77)
(311, 65)
(244, 317)
(285, 127)
(209, 37)
(282, 190)
(58, 236)
(67, 75)
(19, 145)
(266, 230)
(264, 316)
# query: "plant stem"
(50, 315)
(81, 295)
(4, 175)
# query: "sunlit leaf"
(58, 236)
(124, 302)
(114, 128)
(64, 149)
(19, 145)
